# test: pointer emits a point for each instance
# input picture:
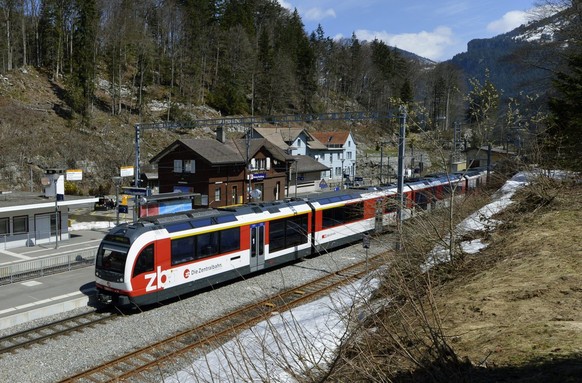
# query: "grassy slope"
(519, 308)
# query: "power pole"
(401, 147)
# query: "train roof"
(272, 207)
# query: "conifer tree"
(566, 131)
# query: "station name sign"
(142, 192)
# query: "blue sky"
(435, 29)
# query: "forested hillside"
(77, 75)
(523, 60)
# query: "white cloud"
(310, 14)
(317, 14)
(431, 45)
(508, 22)
(285, 4)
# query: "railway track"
(23, 339)
(137, 365)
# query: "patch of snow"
(473, 247)
(283, 346)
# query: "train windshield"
(111, 259)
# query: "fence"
(53, 264)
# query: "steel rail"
(221, 329)
(13, 342)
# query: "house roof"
(274, 136)
(316, 145)
(256, 144)
(306, 164)
(233, 151)
(281, 136)
(331, 138)
(286, 134)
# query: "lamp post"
(366, 246)
(117, 182)
(381, 160)
(53, 177)
(401, 146)
(30, 169)
(343, 176)
(55, 180)
(382, 143)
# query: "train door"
(257, 247)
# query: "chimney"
(220, 134)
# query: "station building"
(29, 219)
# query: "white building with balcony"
(334, 151)
(339, 154)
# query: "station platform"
(42, 296)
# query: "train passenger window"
(354, 212)
(296, 230)
(390, 205)
(229, 240)
(182, 250)
(145, 261)
(344, 214)
(277, 235)
(287, 232)
(206, 244)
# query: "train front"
(112, 279)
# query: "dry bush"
(404, 341)
(540, 193)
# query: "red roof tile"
(331, 138)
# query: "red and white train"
(157, 258)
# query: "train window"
(277, 235)
(354, 212)
(296, 230)
(207, 244)
(182, 250)
(229, 240)
(145, 261)
(421, 199)
(287, 232)
(112, 260)
(116, 238)
(344, 214)
(390, 205)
